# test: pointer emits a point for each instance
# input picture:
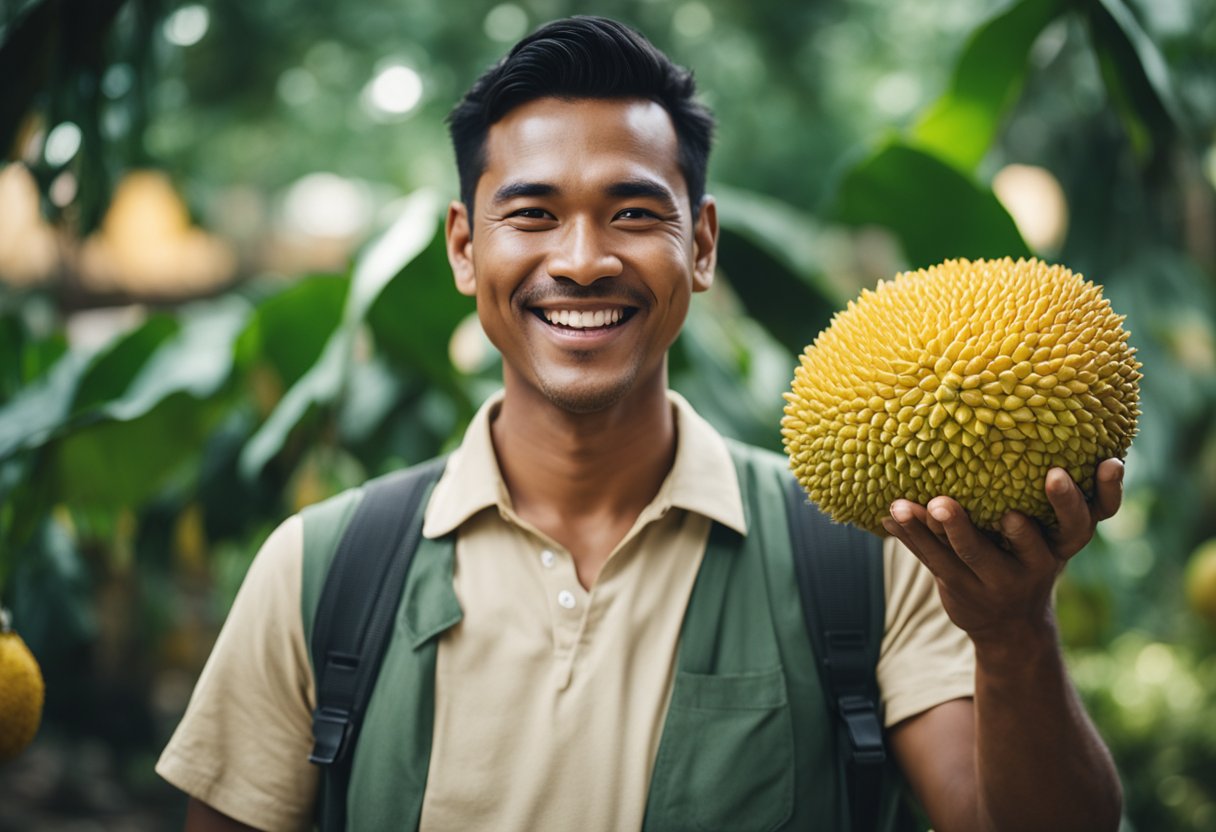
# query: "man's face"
(583, 253)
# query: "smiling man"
(599, 632)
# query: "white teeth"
(576, 319)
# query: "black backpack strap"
(839, 570)
(354, 619)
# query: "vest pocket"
(726, 759)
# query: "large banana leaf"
(1136, 75)
(413, 319)
(289, 328)
(936, 212)
(963, 123)
(321, 385)
(770, 253)
(732, 371)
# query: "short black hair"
(582, 57)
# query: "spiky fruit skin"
(970, 379)
(21, 695)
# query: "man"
(581, 503)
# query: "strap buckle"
(330, 729)
(865, 732)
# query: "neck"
(572, 471)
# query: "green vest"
(748, 744)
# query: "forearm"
(1040, 764)
(200, 817)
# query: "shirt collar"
(701, 480)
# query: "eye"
(532, 214)
(637, 214)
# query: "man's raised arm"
(1024, 756)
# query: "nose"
(582, 254)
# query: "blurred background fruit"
(1201, 580)
(21, 692)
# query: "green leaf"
(27, 492)
(111, 374)
(1136, 75)
(961, 125)
(36, 412)
(392, 251)
(290, 328)
(732, 372)
(320, 385)
(769, 252)
(24, 355)
(425, 287)
(119, 463)
(936, 212)
(197, 361)
(379, 263)
(118, 450)
(129, 377)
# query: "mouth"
(587, 321)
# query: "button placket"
(559, 579)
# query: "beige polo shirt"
(550, 699)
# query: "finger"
(1108, 489)
(937, 558)
(981, 555)
(907, 522)
(934, 524)
(1027, 542)
(933, 518)
(1075, 522)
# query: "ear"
(705, 245)
(459, 239)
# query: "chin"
(585, 396)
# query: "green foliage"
(321, 384)
(1136, 75)
(962, 124)
(935, 211)
(773, 252)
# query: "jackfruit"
(1200, 580)
(969, 379)
(21, 692)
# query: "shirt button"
(566, 599)
(547, 558)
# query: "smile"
(586, 318)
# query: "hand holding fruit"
(998, 589)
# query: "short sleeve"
(925, 659)
(242, 746)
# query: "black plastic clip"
(865, 732)
(330, 728)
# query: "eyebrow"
(513, 190)
(636, 187)
(648, 188)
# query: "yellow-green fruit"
(1201, 580)
(21, 694)
(970, 379)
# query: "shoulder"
(753, 463)
(747, 454)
